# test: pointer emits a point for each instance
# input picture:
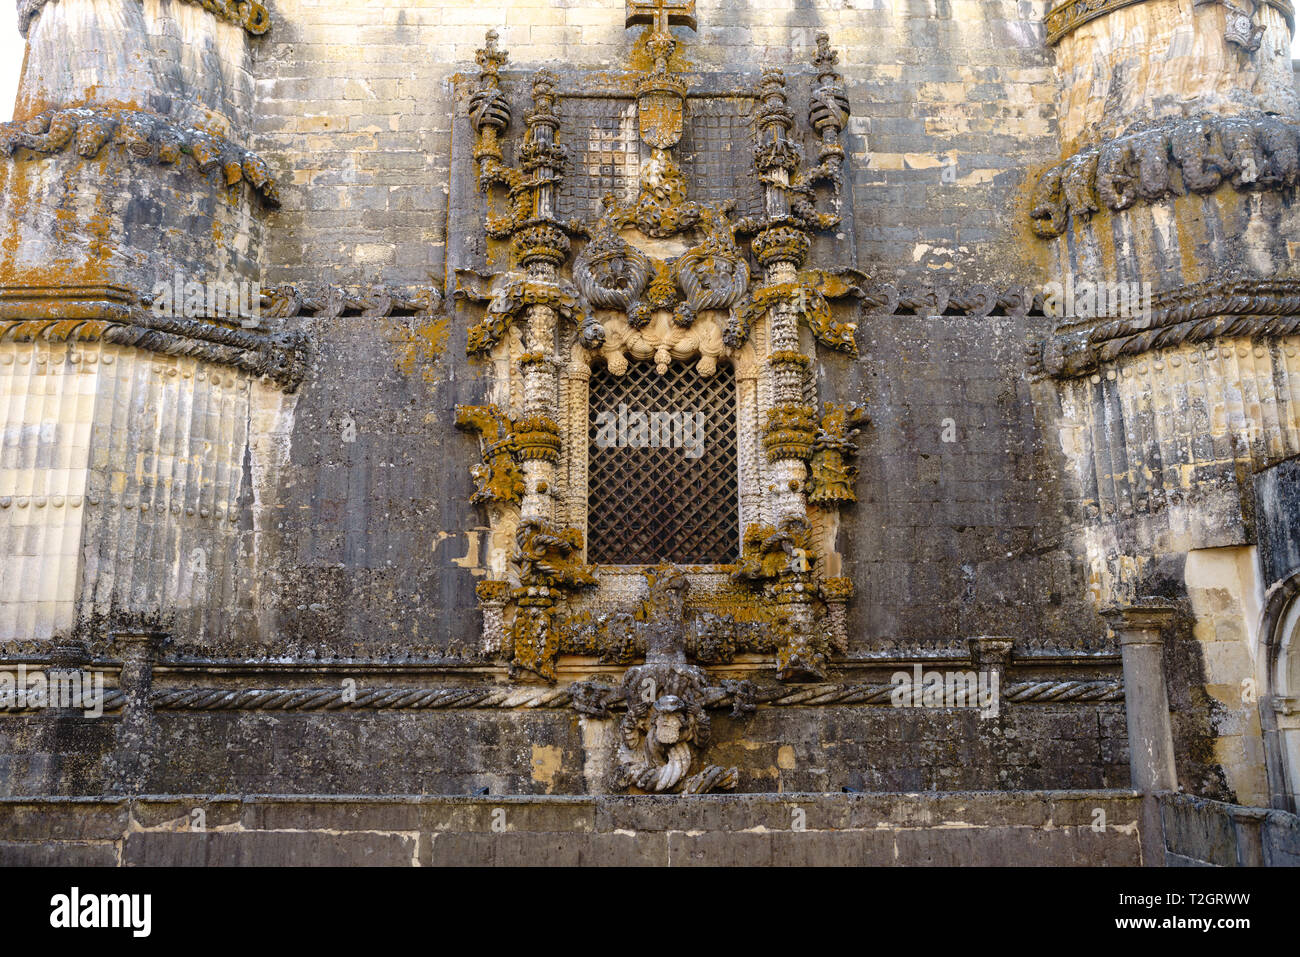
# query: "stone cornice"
(1064, 18)
(116, 315)
(250, 15)
(1216, 309)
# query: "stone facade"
(343, 526)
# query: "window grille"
(662, 483)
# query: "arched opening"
(1279, 705)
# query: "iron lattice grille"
(650, 497)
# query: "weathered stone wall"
(555, 751)
(355, 101)
(105, 205)
(124, 487)
(169, 56)
(1200, 833)
(1226, 599)
(1162, 58)
(339, 522)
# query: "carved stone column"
(1146, 698)
(992, 653)
(136, 738)
(67, 659)
(540, 247)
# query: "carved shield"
(659, 116)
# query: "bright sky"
(11, 58)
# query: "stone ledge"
(955, 828)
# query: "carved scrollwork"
(610, 272)
(332, 301)
(713, 274)
(662, 341)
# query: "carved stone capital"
(1140, 624)
(990, 651)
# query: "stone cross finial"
(661, 14)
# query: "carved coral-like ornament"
(831, 472)
(791, 431)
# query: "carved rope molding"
(1046, 691)
(114, 315)
(1252, 152)
(250, 15)
(1197, 313)
(1064, 18)
(143, 135)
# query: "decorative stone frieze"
(142, 135)
(1252, 309)
(331, 301)
(249, 14)
(1251, 152)
(116, 315)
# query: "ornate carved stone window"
(633, 258)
